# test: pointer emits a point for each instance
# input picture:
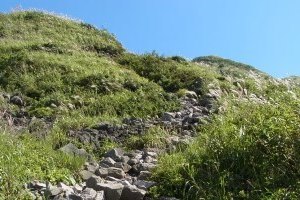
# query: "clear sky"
(262, 33)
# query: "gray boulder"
(144, 184)
(132, 161)
(116, 154)
(71, 149)
(191, 94)
(108, 161)
(116, 172)
(132, 193)
(146, 166)
(89, 194)
(91, 167)
(144, 175)
(168, 117)
(93, 182)
(53, 191)
(85, 175)
(124, 166)
(100, 195)
(16, 100)
(112, 191)
(102, 172)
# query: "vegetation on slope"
(24, 159)
(249, 152)
(224, 63)
(65, 73)
(73, 75)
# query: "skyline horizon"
(265, 49)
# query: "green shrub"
(251, 152)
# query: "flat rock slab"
(112, 191)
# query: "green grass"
(155, 137)
(250, 152)
(24, 159)
(56, 34)
(78, 75)
(171, 74)
(63, 80)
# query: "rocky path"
(122, 175)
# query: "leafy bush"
(251, 152)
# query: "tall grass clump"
(251, 152)
(24, 159)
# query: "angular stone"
(58, 197)
(144, 175)
(148, 159)
(93, 182)
(191, 94)
(75, 197)
(102, 172)
(63, 186)
(89, 193)
(116, 154)
(108, 161)
(116, 172)
(67, 189)
(146, 166)
(112, 191)
(132, 161)
(77, 188)
(73, 150)
(124, 159)
(132, 193)
(152, 154)
(124, 166)
(134, 171)
(91, 168)
(16, 100)
(119, 165)
(144, 184)
(85, 175)
(53, 191)
(36, 185)
(116, 180)
(100, 195)
(168, 117)
(103, 165)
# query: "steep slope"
(293, 81)
(58, 76)
(221, 128)
(249, 150)
(226, 65)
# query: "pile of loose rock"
(124, 175)
(193, 112)
(119, 175)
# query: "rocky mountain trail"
(124, 174)
(120, 175)
(193, 112)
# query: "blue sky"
(262, 33)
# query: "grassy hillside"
(70, 75)
(249, 152)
